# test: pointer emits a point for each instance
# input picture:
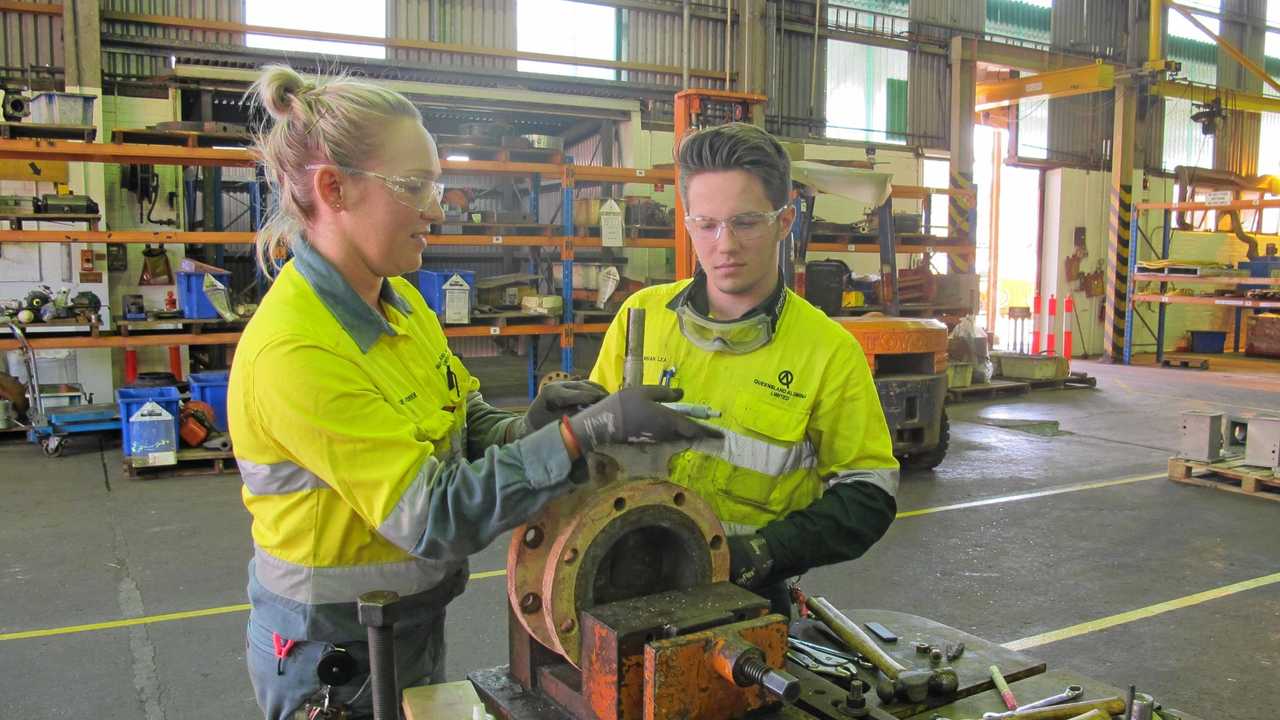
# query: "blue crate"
(131, 399)
(211, 387)
(1208, 341)
(191, 297)
(431, 285)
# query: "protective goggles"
(417, 193)
(735, 337)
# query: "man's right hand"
(633, 415)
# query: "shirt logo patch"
(409, 398)
(786, 378)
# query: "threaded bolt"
(778, 682)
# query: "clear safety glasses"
(746, 226)
(417, 193)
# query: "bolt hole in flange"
(620, 504)
(716, 541)
(678, 499)
(533, 536)
(530, 603)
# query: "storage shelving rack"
(1239, 303)
(133, 153)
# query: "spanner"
(1073, 692)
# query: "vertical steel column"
(1127, 310)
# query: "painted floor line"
(1123, 618)
(1032, 495)
(243, 607)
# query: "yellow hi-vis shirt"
(798, 414)
(353, 433)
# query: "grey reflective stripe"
(277, 478)
(761, 456)
(884, 478)
(733, 528)
(321, 585)
(403, 525)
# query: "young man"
(806, 474)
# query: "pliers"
(814, 658)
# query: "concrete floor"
(80, 545)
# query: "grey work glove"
(633, 415)
(750, 561)
(555, 400)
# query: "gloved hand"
(633, 415)
(555, 400)
(750, 562)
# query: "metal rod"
(1231, 50)
(728, 41)
(684, 48)
(813, 67)
(633, 361)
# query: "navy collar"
(364, 324)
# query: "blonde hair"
(333, 120)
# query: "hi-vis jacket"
(352, 433)
(798, 414)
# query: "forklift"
(907, 356)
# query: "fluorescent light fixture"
(458, 158)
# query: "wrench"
(1072, 692)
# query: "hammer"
(898, 681)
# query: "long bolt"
(378, 611)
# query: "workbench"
(1029, 678)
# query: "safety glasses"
(745, 226)
(417, 193)
(735, 337)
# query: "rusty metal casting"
(610, 540)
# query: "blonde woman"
(370, 460)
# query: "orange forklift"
(908, 356)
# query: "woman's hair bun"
(277, 89)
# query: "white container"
(55, 367)
(152, 439)
(457, 301)
(56, 108)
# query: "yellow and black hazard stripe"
(1121, 216)
(960, 218)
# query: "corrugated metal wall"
(929, 75)
(1239, 137)
(30, 40)
(478, 23)
(1080, 128)
(656, 38)
(119, 62)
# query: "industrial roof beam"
(1097, 77)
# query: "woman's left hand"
(555, 400)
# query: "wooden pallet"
(503, 318)
(1185, 363)
(191, 462)
(491, 229)
(184, 138)
(1074, 380)
(987, 391)
(1231, 475)
(15, 130)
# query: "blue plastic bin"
(431, 285)
(1208, 341)
(191, 297)
(131, 399)
(211, 387)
